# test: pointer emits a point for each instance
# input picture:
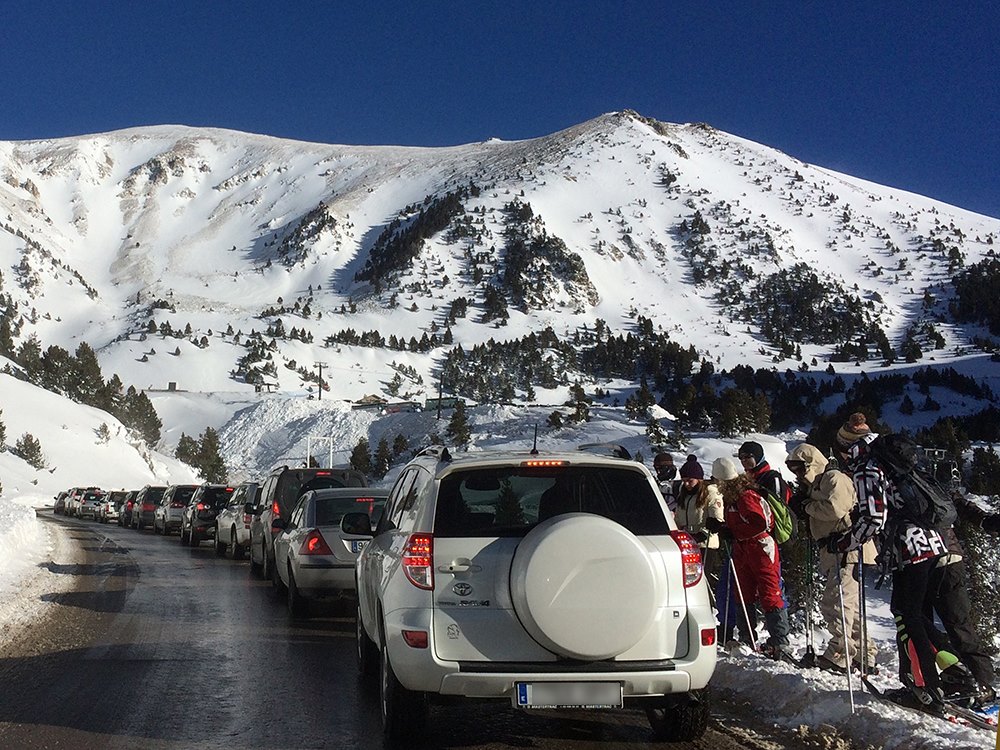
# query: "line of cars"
(554, 581)
(289, 526)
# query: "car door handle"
(459, 566)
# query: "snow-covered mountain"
(218, 260)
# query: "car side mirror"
(248, 508)
(356, 523)
(278, 524)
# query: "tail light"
(690, 557)
(178, 505)
(247, 519)
(315, 544)
(201, 506)
(276, 509)
(708, 637)
(148, 506)
(418, 561)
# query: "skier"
(826, 497)
(911, 552)
(754, 554)
(698, 501)
(751, 455)
(666, 473)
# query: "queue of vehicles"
(555, 581)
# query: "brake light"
(690, 557)
(418, 560)
(148, 506)
(415, 638)
(276, 509)
(315, 544)
(369, 500)
(178, 505)
(323, 473)
(543, 464)
(708, 637)
(201, 506)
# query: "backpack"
(924, 501)
(783, 524)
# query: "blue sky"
(905, 94)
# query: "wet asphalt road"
(157, 645)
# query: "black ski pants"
(910, 587)
(948, 596)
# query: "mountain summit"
(155, 245)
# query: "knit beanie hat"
(751, 448)
(692, 469)
(853, 430)
(724, 468)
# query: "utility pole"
(320, 366)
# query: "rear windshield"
(216, 496)
(509, 501)
(93, 496)
(293, 484)
(153, 494)
(183, 494)
(330, 510)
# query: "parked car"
(170, 509)
(198, 519)
(145, 506)
(232, 525)
(73, 499)
(89, 502)
(111, 507)
(281, 491)
(59, 506)
(314, 553)
(546, 581)
(125, 517)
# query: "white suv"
(547, 581)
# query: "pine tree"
(29, 449)
(382, 459)
(399, 445)
(458, 426)
(86, 380)
(29, 356)
(361, 458)
(3, 433)
(187, 450)
(103, 433)
(655, 432)
(210, 463)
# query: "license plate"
(358, 544)
(568, 695)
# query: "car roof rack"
(610, 449)
(439, 451)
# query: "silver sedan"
(314, 555)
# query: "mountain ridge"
(225, 261)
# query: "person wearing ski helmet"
(755, 554)
(828, 499)
(910, 552)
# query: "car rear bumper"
(420, 669)
(324, 580)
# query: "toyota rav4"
(547, 581)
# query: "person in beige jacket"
(829, 498)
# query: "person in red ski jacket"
(755, 554)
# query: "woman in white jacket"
(697, 501)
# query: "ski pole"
(863, 614)
(729, 593)
(809, 660)
(743, 604)
(843, 624)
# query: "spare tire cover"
(583, 586)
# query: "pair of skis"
(951, 712)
